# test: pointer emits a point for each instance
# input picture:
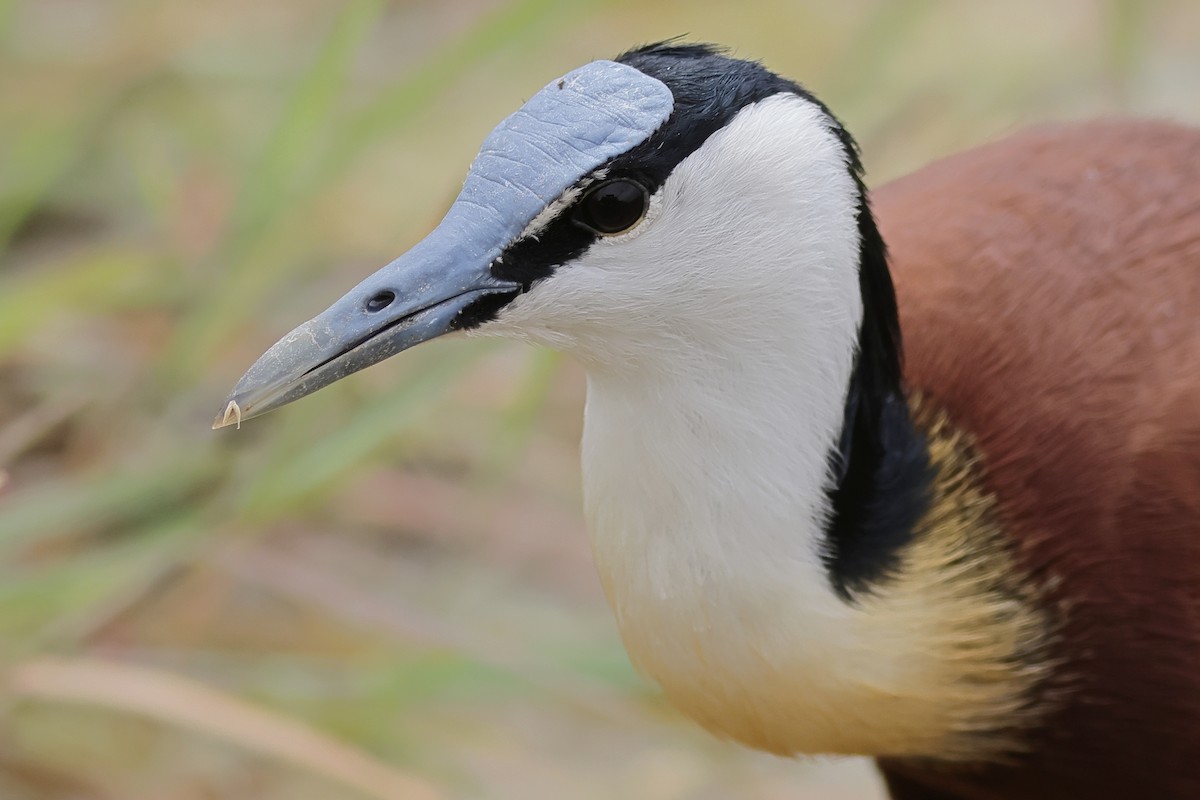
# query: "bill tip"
(231, 416)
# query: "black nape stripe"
(882, 469)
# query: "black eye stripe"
(612, 206)
(567, 236)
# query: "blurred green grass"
(383, 590)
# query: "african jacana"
(981, 565)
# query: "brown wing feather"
(1049, 290)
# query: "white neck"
(707, 442)
(705, 498)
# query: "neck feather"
(723, 601)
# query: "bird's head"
(657, 206)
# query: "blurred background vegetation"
(383, 591)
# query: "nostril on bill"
(380, 301)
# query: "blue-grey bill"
(568, 129)
(322, 351)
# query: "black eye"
(612, 207)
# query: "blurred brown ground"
(383, 591)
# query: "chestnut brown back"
(1049, 291)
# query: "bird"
(910, 473)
